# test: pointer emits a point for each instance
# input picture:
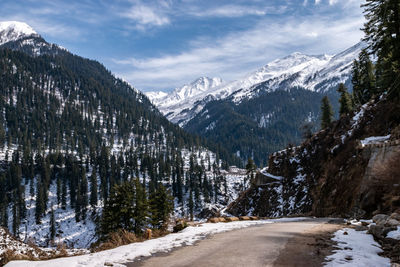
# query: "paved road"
(250, 247)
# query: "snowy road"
(254, 246)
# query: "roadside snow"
(374, 140)
(394, 234)
(128, 253)
(357, 248)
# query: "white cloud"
(230, 11)
(238, 53)
(317, 2)
(147, 15)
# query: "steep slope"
(343, 170)
(70, 131)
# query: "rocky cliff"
(348, 169)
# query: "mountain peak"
(14, 30)
(196, 87)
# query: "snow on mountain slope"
(20, 36)
(154, 96)
(316, 73)
(14, 30)
(183, 97)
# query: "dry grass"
(117, 239)
(123, 237)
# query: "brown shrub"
(116, 239)
(10, 255)
(232, 219)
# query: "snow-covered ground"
(123, 254)
(356, 248)
(394, 234)
(374, 140)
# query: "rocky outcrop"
(331, 173)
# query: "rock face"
(332, 173)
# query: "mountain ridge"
(311, 72)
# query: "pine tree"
(326, 113)
(84, 193)
(119, 209)
(382, 33)
(52, 224)
(141, 207)
(161, 206)
(363, 79)
(191, 205)
(93, 188)
(40, 206)
(345, 100)
(250, 168)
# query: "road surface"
(253, 246)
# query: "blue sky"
(162, 44)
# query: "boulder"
(380, 231)
(244, 218)
(365, 223)
(392, 222)
(253, 218)
(376, 231)
(395, 216)
(361, 228)
(380, 219)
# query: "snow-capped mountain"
(183, 97)
(316, 73)
(154, 96)
(15, 30)
(20, 36)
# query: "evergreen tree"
(119, 209)
(382, 33)
(93, 188)
(363, 79)
(191, 205)
(52, 224)
(345, 100)
(141, 207)
(326, 113)
(250, 168)
(161, 206)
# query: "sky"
(163, 44)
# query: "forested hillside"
(71, 133)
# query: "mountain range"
(272, 102)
